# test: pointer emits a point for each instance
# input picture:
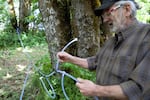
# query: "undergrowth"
(38, 92)
(34, 90)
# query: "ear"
(128, 10)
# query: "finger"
(79, 85)
(80, 88)
(80, 80)
(58, 55)
(61, 61)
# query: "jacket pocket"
(122, 67)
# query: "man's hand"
(64, 57)
(86, 87)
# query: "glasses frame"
(109, 12)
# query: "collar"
(126, 32)
(118, 39)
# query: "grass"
(13, 66)
(13, 61)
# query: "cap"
(108, 3)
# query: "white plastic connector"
(75, 39)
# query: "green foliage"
(35, 16)
(10, 38)
(4, 16)
(34, 1)
(71, 90)
(35, 39)
(7, 39)
(144, 13)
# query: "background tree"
(24, 12)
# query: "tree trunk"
(13, 19)
(86, 26)
(24, 12)
(57, 25)
(67, 19)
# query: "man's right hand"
(64, 57)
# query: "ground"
(13, 69)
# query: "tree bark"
(24, 12)
(57, 25)
(86, 26)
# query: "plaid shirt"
(125, 60)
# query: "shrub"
(71, 90)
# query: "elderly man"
(123, 64)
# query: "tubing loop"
(68, 75)
(51, 95)
(62, 86)
(57, 63)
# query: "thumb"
(80, 80)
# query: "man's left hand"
(86, 87)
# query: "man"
(123, 64)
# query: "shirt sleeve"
(131, 90)
(139, 82)
(92, 62)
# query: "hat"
(106, 4)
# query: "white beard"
(113, 28)
(117, 23)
